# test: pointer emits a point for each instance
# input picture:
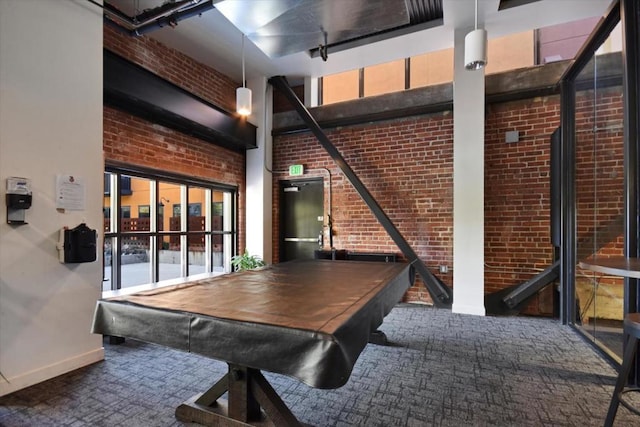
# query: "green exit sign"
(296, 170)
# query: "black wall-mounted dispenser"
(18, 199)
(78, 244)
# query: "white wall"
(258, 177)
(50, 123)
(468, 184)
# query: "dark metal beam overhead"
(422, 14)
(424, 10)
(167, 15)
(508, 4)
(131, 88)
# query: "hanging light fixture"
(243, 94)
(475, 47)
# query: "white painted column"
(50, 125)
(310, 92)
(258, 176)
(468, 184)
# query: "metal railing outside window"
(147, 239)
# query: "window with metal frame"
(150, 244)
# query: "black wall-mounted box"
(18, 201)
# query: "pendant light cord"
(243, 79)
(476, 14)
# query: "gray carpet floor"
(440, 369)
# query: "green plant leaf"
(246, 261)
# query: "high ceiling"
(289, 37)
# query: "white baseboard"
(51, 371)
(468, 309)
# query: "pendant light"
(475, 47)
(243, 94)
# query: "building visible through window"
(526, 49)
(144, 245)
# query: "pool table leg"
(251, 401)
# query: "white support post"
(468, 184)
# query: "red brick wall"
(176, 67)
(599, 170)
(136, 141)
(517, 195)
(600, 191)
(132, 140)
(406, 165)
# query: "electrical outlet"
(444, 269)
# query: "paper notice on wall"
(70, 192)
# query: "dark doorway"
(301, 218)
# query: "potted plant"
(246, 261)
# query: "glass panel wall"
(134, 228)
(108, 228)
(197, 224)
(384, 78)
(341, 87)
(525, 49)
(169, 227)
(599, 186)
(510, 52)
(217, 228)
(431, 68)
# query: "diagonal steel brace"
(440, 294)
